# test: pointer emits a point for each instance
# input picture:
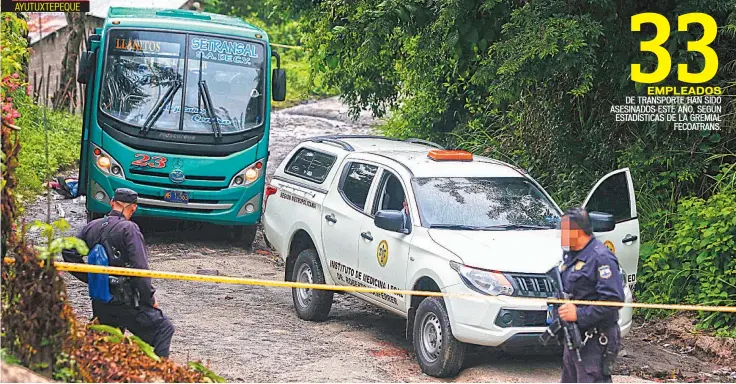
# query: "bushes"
(532, 82)
(65, 132)
(64, 129)
(302, 83)
(696, 260)
(38, 326)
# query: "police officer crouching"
(133, 306)
(590, 271)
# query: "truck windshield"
(483, 203)
(146, 74)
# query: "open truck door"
(614, 194)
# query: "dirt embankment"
(250, 333)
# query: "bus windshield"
(150, 77)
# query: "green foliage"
(65, 131)
(146, 348)
(8, 357)
(302, 84)
(532, 83)
(697, 262)
(208, 374)
(54, 245)
(65, 369)
(14, 51)
(115, 334)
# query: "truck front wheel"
(438, 352)
(310, 304)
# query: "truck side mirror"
(84, 70)
(278, 84)
(602, 222)
(391, 221)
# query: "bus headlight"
(106, 163)
(248, 175)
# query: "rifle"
(570, 331)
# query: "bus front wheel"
(242, 235)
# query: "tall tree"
(66, 95)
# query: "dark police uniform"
(592, 273)
(146, 322)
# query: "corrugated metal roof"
(41, 25)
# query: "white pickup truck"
(376, 212)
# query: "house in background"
(49, 32)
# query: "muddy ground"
(253, 334)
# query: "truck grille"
(528, 285)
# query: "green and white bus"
(177, 108)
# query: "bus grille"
(135, 171)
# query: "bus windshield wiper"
(204, 93)
(158, 109)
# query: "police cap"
(126, 195)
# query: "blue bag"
(99, 284)
(73, 187)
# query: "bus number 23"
(142, 160)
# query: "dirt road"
(252, 333)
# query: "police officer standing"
(138, 311)
(589, 271)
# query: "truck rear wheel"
(310, 304)
(438, 352)
(242, 235)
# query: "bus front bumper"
(234, 206)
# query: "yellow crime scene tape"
(133, 272)
(286, 46)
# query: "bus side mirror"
(602, 222)
(278, 85)
(86, 61)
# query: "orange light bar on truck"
(450, 155)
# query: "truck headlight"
(486, 282)
(248, 175)
(106, 163)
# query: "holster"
(123, 291)
(610, 352)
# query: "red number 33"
(142, 160)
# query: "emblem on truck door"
(382, 253)
(610, 246)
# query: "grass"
(301, 85)
(65, 131)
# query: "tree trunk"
(24, 63)
(66, 94)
